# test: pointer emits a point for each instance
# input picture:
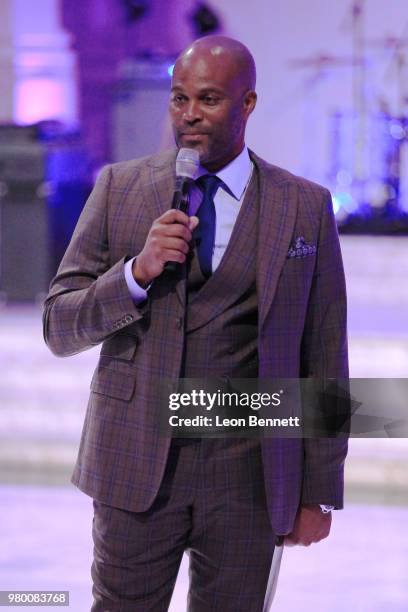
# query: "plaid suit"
(301, 332)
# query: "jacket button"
(179, 322)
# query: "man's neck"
(217, 166)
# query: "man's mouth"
(193, 136)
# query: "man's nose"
(192, 112)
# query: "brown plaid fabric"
(301, 332)
(211, 503)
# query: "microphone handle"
(180, 202)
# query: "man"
(242, 307)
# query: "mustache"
(188, 133)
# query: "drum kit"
(368, 143)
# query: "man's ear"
(250, 99)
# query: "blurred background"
(86, 83)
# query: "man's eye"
(210, 100)
(178, 98)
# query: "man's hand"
(168, 240)
(311, 525)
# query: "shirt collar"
(234, 175)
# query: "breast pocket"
(295, 280)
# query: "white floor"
(45, 531)
(363, 566)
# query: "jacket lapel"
(162, 179)
(277, 216)
(235, 272)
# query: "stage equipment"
(136, 9)
(140, 107)
(367, 174)
(205, 21)
(44, 183)
(374, 201)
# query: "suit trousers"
(211, 504)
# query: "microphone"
(187, 163)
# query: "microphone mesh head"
(187, 163)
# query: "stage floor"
(45, 527)
(363, 566)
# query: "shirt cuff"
(138, 293)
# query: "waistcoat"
(221, 311)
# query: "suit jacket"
(301, 332)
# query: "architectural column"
(37, 66)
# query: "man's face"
(209, 107)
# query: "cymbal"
(323, 60)
(386, 42)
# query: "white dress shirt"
(235, 176)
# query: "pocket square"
(300, 249)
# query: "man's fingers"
(310, 526)
(175, 244)
(289, 541)
(161, 244)
(175, 230)
(194, 221)
(175, 216)
(174, 256)
(297, 540)
(169, 239)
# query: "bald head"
(212, 96)
(225, 50)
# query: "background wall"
(278, 32)
(291, 125)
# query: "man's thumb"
(193, 222)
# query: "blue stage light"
(397, 130)
(344, 201)
(336, 204)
